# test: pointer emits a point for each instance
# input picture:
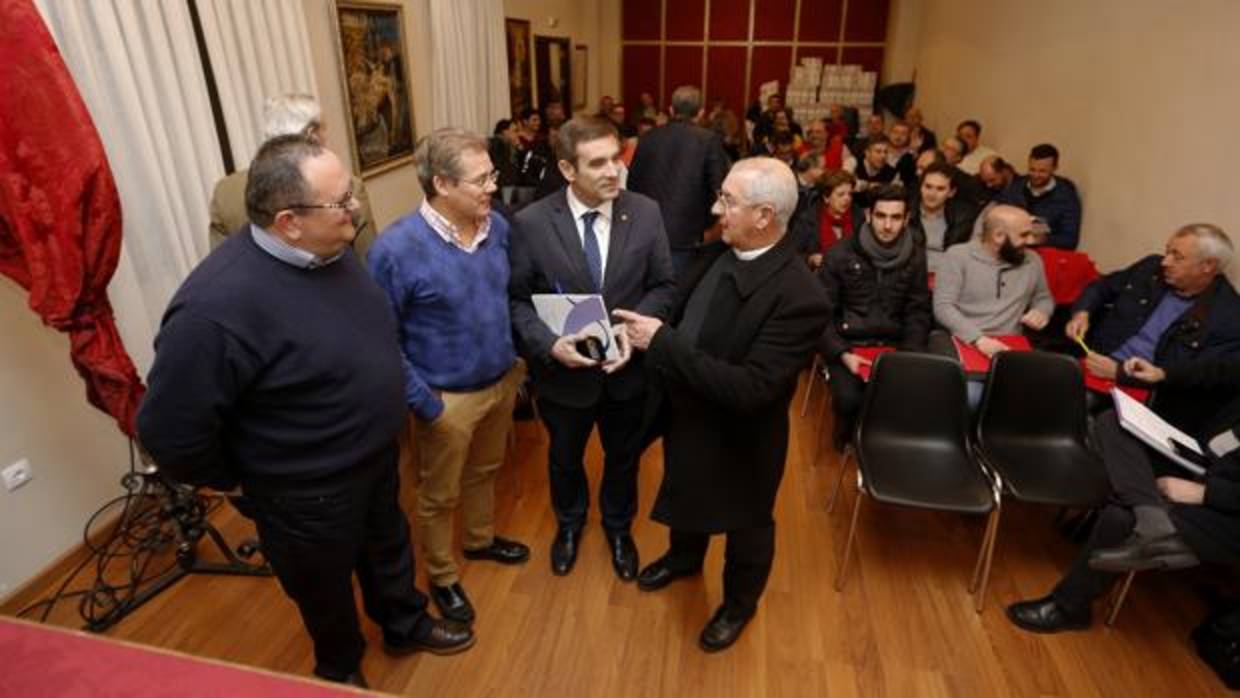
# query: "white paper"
(1154, 430)
(570, 313)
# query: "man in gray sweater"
(989, 287)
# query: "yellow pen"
(1081, 341)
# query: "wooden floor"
(904, 625)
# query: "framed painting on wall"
(553, 69)
(580, 67)
(520, 79)
(374, 67)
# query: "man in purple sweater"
(445, 270)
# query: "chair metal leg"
(988, 550)
(839, 478)
(809, 387)
(852, 534)
(977, 566)
(1113, 611)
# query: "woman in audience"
(827, 218)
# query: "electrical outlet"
(16, 475)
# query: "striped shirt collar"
(449, 232)
(281, 250)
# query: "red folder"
(976, 362)
(1104, 385)
(870, 354)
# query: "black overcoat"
(721, 404)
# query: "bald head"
(1006, 228)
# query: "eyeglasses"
(482, 180)
(729, 202)
(346, 203)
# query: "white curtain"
(258, 49)
(143, 83)
(469, 76)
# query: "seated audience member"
(995, 174)
(837, 123)
(901, 155)
(605, 103)
(826, 217)
(809, 171)
(873, 170)
(287, 115)
(531, 127)
(818, 137)
(645, 125)
(877, 290)
(925, 159)
(939, 219)
(953, 149)
(782, 145)
(1172, 309)
(503, 148)
(647, 108)
(873, 128)
(920, 138)
(1053, 200)
(989, 287)
(970, 133)
(731, 135)
(1157, 518)
(553, 116)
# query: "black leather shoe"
(501, 550)
(659, 574)
(723, 629)
(1045, 615)
(564, 551)
(444, 637)
(623, 555)
(356, 679)
(1138, 553)
(452, 603)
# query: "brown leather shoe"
(444, 637)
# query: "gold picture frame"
(375, 74)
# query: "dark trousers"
(619, 422)
(1132, 472)
(847, 393)
(315, 542)
(746, 565)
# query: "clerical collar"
(751, 255)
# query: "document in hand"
(1155, 431)
(570, 313)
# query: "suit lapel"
(566, 230)
(621, 223)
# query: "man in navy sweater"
(258, 382)
(445, 270)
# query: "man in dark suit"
(681, 166)
(589, 237)
(748, 317)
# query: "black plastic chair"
(912, 450)
(1031, 431)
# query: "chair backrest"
(915, 400)
(1033, 395)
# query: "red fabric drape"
(60, 217)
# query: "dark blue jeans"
(315, 540)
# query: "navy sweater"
(272, 376)
(1060, 208)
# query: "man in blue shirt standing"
(445, 271)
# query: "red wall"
(731, 47)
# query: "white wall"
(1139, 96)
(77, 453)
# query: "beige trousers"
(456, 458)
